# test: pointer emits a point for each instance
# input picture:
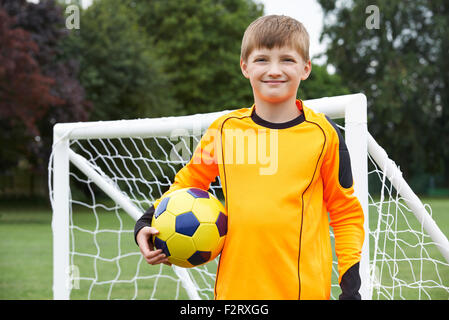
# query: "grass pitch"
(26, 258)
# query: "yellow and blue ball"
(192, 226)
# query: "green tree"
(403, 68)
(118, 67)
(198, 43)
(321, 84)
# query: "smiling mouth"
(274, 81)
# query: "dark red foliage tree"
(38, 82)
(25, 93)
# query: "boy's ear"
(307, 70)
(244, 67)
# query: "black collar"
(273, 125)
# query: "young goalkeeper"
(278, 243)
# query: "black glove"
(144, 221)
(350, 284)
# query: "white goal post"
(104, 175)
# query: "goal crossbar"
(154, 127)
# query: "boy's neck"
(277, 112)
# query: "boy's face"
(275, 73)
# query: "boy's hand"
(147, 249)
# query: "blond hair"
(275, 31)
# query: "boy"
(278, 244)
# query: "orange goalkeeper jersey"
(280, 181)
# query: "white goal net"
(104, 175)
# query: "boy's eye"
(288, 60)
(260, 60)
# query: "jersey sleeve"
(202, 169)
(345, 211)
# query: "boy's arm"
(199, 172)
(345, 211)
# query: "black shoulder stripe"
(344, 169)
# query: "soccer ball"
(192, 226)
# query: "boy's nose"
(274, 70)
